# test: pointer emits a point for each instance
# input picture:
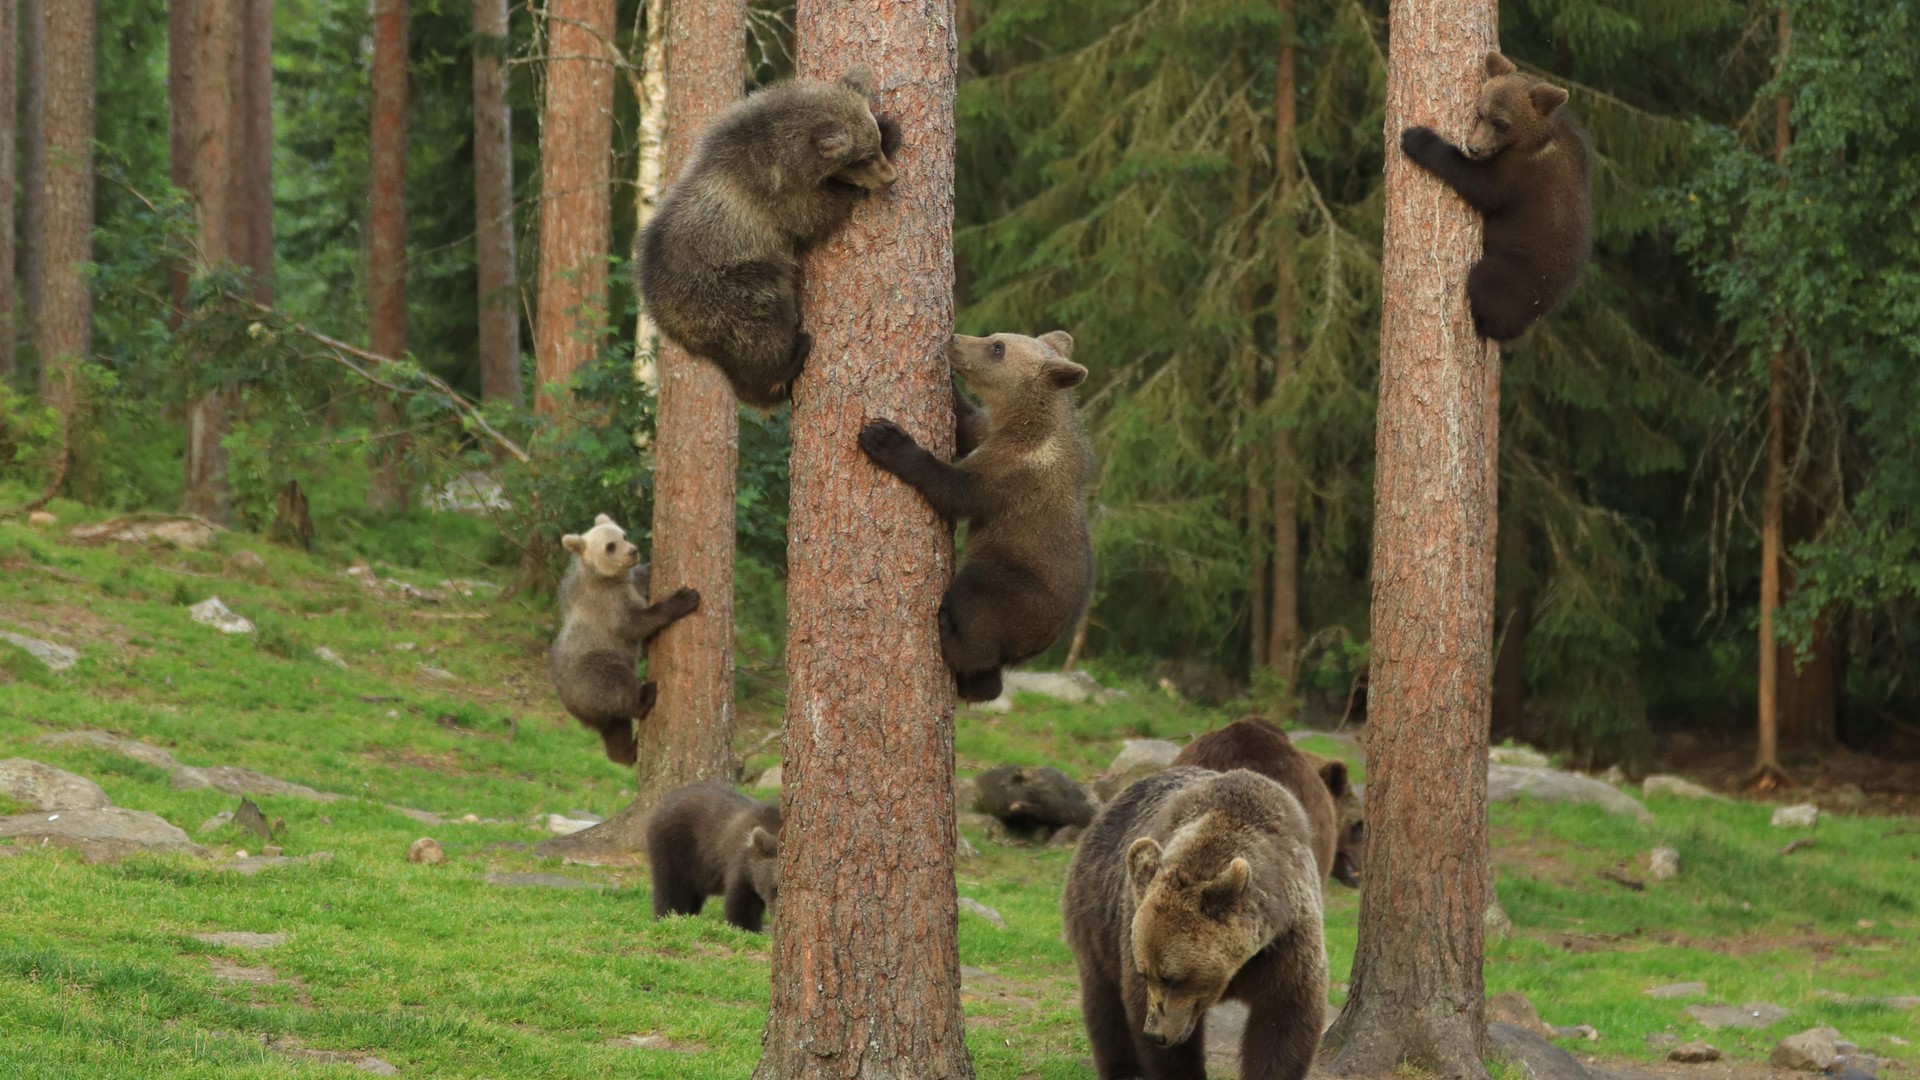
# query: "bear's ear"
(1143, 862)
(762, 842)
(1063, 374)
(859, 79)
(830, 140)
(1059, 341)
(649, 693)
(1547, 98)
(1334, 775)
(602, 519)
(574, 542)
(1226, 889)
(1498, 65)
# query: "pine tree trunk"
(33, 161)
(1254, 525)
(1417, 993)
(1766, 763)
(576, 222)
(493, 205)
(66, 316)
(215, 46)
(182, 137)
(651, 152)
(1810, 692)
(253, 139)
(387, 243)
(866, 971)
(689, 737)
(1283, 634)
(9, 120)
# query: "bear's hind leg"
(1504, 303)
(970, 638)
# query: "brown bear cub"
(719, 264)
(1019, 480)
(1255, 744)
(1350, 818)
(1193, 887)
(605, 619)
(709, 840)
(1525, 168)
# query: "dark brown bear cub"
(1257, 745)
(1194, 887)
(719, 263)
(710, 840)
(1525, 168)
(605, 619)
(1028, 570)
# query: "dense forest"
(1711, 455)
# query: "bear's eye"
(609, 547)
(999, 349)
(1499, 126)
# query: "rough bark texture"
(689, 737)
(9, 114)
(1766, 764)
(1417, 993)
(866, 975)
(1283, 634)
(1810, 691)
(387, 240)
(493, 206)
(650, 152)
(66, 316)
(215, 45)
(180, 131)
(576, 217)
(253, 147)
(33, 157)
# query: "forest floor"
(497, 963)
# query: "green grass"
(434, 970)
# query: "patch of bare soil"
(65, 624)
(1838, 779)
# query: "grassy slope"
(441, 974)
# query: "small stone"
(240, 854)
(562, 825)
(212, 612)
(1693, 1053)
(771, 779)
(1813, 1050)
(1804, 816)
(43, 787)
(328, 656)
(247, 562)
(406, 646)
(40, 519)
(1898, 1041)
(470, 819)
(1577, 1031)
(1677, 990)
(1754, 1014)
(426, 851)
(1614, 775)
(56, 657)
(1677, 787)
(439, 673)
(1663, 863)
(643, 1042)
(975, 907)
(272, 851)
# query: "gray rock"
(237, 781)
(424, 817)
(974, 907)
(1002, 705)
(1813, 1050)
(1498, 923)
(1575, 1031)
(1136, 752)
(101, 835)
(1074, 687)
(1804, 816)
(212, 612)
(1524, 756)
(1533, 1054)
(1663, 863)
(222, 818)
(426, 852)
(439, 673)
(562, 825)
(1693, 1053)
(184, 532)
(1108, 787)
(57, 657)
(471, 492)
(1513, 1007)
(247, 562)
(651, 1042)
(1677, 990)
(241, 939)
(1028, 797)
(548, 881)
(43, 787)
(250, 867)
(328, 656)
(1614, 775)
(1505, 783)
(144, 753)
(1754, 1014)
(773, 778)
(1678, 787)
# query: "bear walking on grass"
(605, 620)
(709, 840)
(1320, 784)
(1191, 888)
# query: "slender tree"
(1417, 993)
(181, 137)
(387, 240)
(216, 34)
(651, 92)
(66, 316)
(865, 960)
(576, 217)
(493, 206)
(1283, 634)
(1766, 765)
(9, 121)
(253, 146)
(33, 158)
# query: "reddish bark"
(33, 157)
(576, 216)
(387, 241)
(9, 113)
(181, 134)
(493, 206)
(65, 328)
(1766, 764)
(252, 185)
(215, 45)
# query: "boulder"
(43, 787)
(1693, 1053)
(237, 781)
(1754, 1014)
(1136, 752)
(1813, 1050)
(101, 835)
(56, 657)
(1677, 787)
(1498, 923)
(183, 532)
(1028, 798)
(144, 753)
(1804, 816)
(1505, 783)
(772, 778)
(1536, 1058)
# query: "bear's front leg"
(947, 489)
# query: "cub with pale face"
(605, 620)
(1019, 479)
(709, 840)
(1195, 887)
(1525, 169)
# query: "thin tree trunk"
(9, 121)
(66, 318)
(387, 242)
(866, 968)
(1766, 764)
(651, 152)
(493, 205)
(1283, 635)
(1256, 492)
(215, 45)
(1810, 692)
(576, 222)
(253, 147)
(1417, 993)
(33, 161)
(182, 137)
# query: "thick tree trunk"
(215, 45)
(33, 160)
(9, 120)
(651, 154)
(182, 137)
(66, 316)
(866, 968)
(1766, 760)
(493, 205)
(1417, 994)
(1283, 633)
(253, 147)
(387, 243)
(576, 221)
(689, 737)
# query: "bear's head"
(1005, 368)
(1515, 110)
(763, 864)
(1350, 818)
(1192, 931)
(604, 550)
(847, 136)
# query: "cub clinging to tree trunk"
(1019, 479)
(1525, 168)
(605, 618)
(719, 264)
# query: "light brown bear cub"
(605, 619)
(1190, 888)
(709, 840)
(1019, 479)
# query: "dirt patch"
(1840, 779)
(66, 624)
(227, 971)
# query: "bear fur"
(709, 840)
(1027, 798)
(605, 620)
(1253, 743)
(719, 263)
(1350, 817)
(1021, 485)
(1191, 888)
(1525, 169)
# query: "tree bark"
(66, 317)
(865, 960)
(1283, 634)
(1254, 525)
(1766, 761)
(576, 217)
(651, 154)
(252, 184)
(9, 121)
(181, 138)
(387, 243)
(493, 205)
(215, 45)
(1810, 692)
(1417, 993)
(33, 160)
